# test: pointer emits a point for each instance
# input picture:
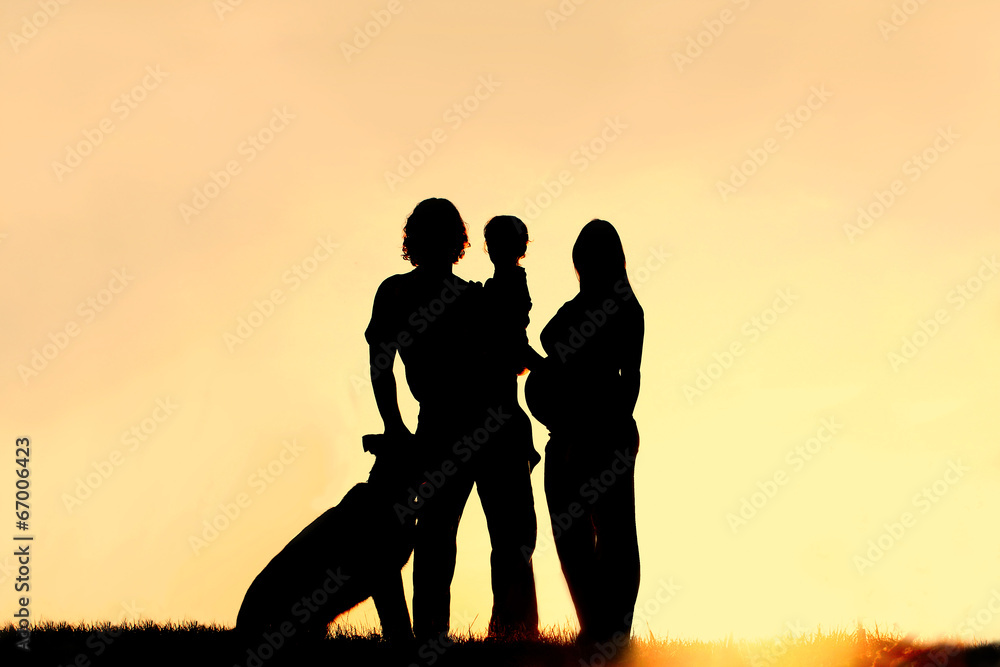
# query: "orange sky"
(171, 168)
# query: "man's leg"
(434, 555)
(504, 487)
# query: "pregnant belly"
(558, 399)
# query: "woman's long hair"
(599, 259)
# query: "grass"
(148, 644)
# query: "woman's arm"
(532, 360)
(631, 359)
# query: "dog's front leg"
(390, 602)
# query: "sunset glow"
(202, 197)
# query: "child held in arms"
(507, 292)
(507, 304)
(510, 453)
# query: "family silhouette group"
(463, 345)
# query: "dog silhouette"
(352, 552)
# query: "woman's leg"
(572, 530)
(617, 543)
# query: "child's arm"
(518, 305)
(522, 298)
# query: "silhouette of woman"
(585, 392)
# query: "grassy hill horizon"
(148, 643)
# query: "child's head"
(506, 239)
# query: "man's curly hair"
(434, 231)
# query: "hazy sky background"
(330, 123)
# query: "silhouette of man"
(433, 320)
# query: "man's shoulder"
(397, 280)
(394, 286)
(415, 277)
(410, 288)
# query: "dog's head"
(396, 467)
